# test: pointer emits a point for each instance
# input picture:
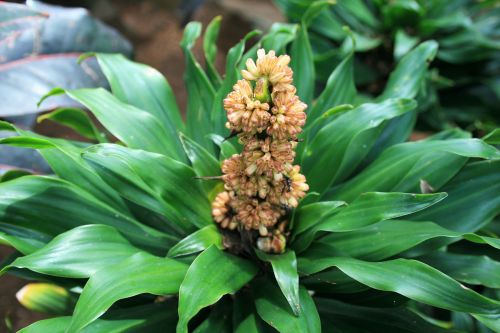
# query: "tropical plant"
(392, 236)
(462, 87)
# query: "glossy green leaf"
(138, 274)
(145, 88)
(403, 44)
(102, 245)
(204, 163)
(146, 318)
(219, 319)
(306, 216)
(338, 317)
(339, 90)
(352, 134)
(273, 309)
(227, 149)
(404, 82)
(154, 181)
(121, 120)
(285, 271)
(210, 49)
(212, 275)
(409, 278)
(301, 55)
(65, 207)
(200, 91)
(21, 239)
(369, 208)
(470, 204)
(400, 168)
(493, 138)
(76, 119)
(478, 270)
(197, 241)
(245, 317)
(388, 238)
(66, 161)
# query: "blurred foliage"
(463, 86)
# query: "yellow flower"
(268, 66)
(288, 116)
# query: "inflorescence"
(262, 184)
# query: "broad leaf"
(285, 271)
(65, 207)
(273, 309)
(145, 88)
(154, 181)
(409, 278)
(139, 274)
(352, 134)
(212, 275)
(102, 245)
(197, 241)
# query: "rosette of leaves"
(462, 87)
(394, 236)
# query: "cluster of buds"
(262, 184)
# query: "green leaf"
(285, 271)
(76, 119)
(65, 207)
(400, 168)
(20, 141)
(197, 242)
(352, 318)
(145, 88)
(154, 181)
(210, 49)
(200, 91)
(493, 138)
(306, 216)
(352, 134)
(212, 275)
(227, 149)
(302, 61)
(121, 120)
(339, 90)
(66, 161)
(477, 270)
(245, 318)
(409, 278)
(102, 245)
(368, 208)
(404, 82)
(219, 319)
(146, 318)
(403, 43)
(274, 309)
(388, 238)
(204, 163)
(139, 274)
(470, 204)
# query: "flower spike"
(262, 184)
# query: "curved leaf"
(65, 207)
(285, 271)
(154, 181)
(138, 274)
(409, 278)
(273, 309)
(352, 134)
(145, 88)
(197, 241)
(211, 275)
(102, 245)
